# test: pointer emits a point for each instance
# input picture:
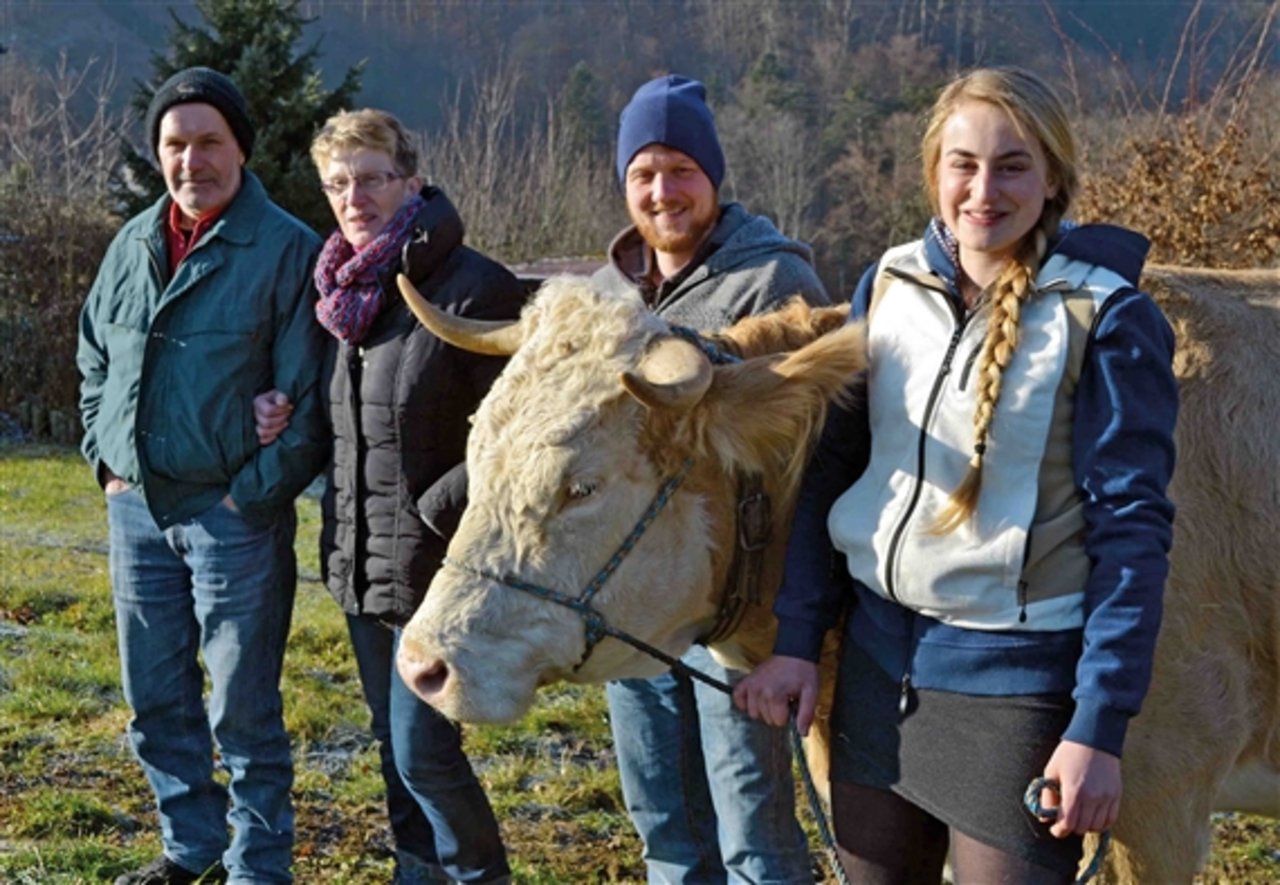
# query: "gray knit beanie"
(201, 86)
(671, 111)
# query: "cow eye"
(581, 488)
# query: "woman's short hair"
(1036, 111)
(366, 128)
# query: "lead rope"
(815, 803)
(1031, 799)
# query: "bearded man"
(709, 790)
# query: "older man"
(709, 790)
(203, 301)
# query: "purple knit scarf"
(350, 294)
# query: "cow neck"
(752, 527)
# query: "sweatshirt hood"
(738, 238)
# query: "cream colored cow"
(590, 418)
(597, 408)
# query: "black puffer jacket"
(399, 404)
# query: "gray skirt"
(964, 759)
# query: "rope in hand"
(815, 803)
(1031, 799)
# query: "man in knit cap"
(202, 302)
(709, 789)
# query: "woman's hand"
(271, 411)
(1090, 784)
(768, 691)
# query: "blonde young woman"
(1005, 525)
(399, 399)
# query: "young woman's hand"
(1090, 784)
(769, 690)
(271, 411)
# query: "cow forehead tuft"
(578, 344)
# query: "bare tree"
(773, 166)
(57, 129)
(58, 140)
(527, 188)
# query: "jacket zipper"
(968, 367)
(1022, 581)
(917, 488)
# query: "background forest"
(819, 105)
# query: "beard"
(676, 241)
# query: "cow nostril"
(429, 679)
(425, 675)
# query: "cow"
(601, 405)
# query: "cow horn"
(490, 337)
(673, 374)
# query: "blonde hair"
(366, 128)
(1038, 114)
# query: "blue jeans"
(439, 812)
(220, 588)
(708, 788)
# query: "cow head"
(598, 407)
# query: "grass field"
(73, 803)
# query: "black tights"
(883, 839)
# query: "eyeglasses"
(371, 183)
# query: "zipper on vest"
(931, 406)
(968, 366)
(1022, 579)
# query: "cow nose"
(425, 678)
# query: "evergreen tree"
(583, 110)
(253, 43)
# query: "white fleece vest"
(1019, 563)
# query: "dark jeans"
(439, 811)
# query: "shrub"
(58, 142)
(1207, 198)
(49, 252)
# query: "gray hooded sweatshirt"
(745, 267)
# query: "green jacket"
(170, 366)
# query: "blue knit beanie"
(671, 111)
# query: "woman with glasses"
(399, 401)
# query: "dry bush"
(58, 141)
(1208, 198)
(50, 256)
(1191, 160)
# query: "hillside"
(419, 52)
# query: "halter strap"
(597, 627)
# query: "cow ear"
(673, 374)
(762, 412)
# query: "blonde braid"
(1011, 288)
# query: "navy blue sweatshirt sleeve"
(1123, 449)
(813, 591)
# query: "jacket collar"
(437, 231)
(1116, 248)
(238, 223)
